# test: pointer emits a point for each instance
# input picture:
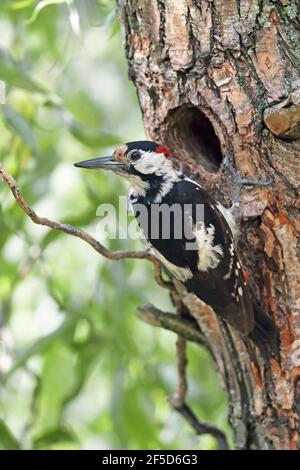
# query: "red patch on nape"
(246, 275)
(161, 149)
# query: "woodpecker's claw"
(238, 181)
(253, 182)
(228, 161)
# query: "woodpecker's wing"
(211, 269)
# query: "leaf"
(12, 73)
(57, 381)
(93, 138)
(21, 126)
(42, 344)
(60, 434)
(7, 439)
(18, 5)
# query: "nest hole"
(191, 132)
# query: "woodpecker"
(203, 255)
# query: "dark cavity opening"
(191, 132)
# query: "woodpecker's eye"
(134, 156)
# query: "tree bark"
(215, 76)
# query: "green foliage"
(78, 370)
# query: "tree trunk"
(215, 76)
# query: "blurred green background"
(78, 369)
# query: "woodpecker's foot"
(228, 165)
(253, 182)
(238, 181)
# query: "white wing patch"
(209, 255)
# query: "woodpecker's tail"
(265, 333)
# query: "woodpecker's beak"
(103, 163)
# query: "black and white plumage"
(210, 269)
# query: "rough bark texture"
(220, 75)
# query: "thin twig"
(200, 427)
(182, 387)
(77, 232)
(177, 400)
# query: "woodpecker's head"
(146, 165)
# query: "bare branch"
(182, 386)
(185, 327)
(77, 232)
(200, 427)
(177, 400)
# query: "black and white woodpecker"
(211, 268)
